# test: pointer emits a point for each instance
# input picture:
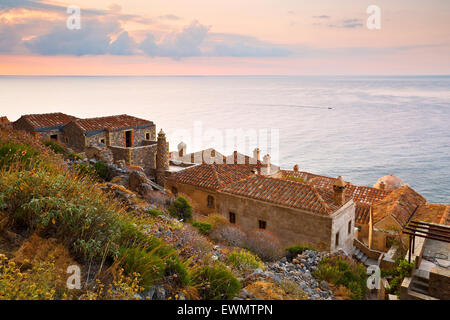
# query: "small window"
(102, 141)
(147, 136)
(262, 224)
(174, 191)
(66, 140)
(232, 217)
(350, 227)
(337, 239)
(210, 201)
(54, 137)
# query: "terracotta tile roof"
(361, 194)
(111, 123)
(362, 213)
(401, 204)
(212, 176)
(433, 213)
(48, 120)
(285, 192)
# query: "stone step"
(364, 258)
(356, 252)
(370, 262)
(423, 284)
(360, 255)
(419, 289)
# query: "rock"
(160, 293)
(295, 261)
(284, 259)
(136, 179)
(244, 294)
(149, 293)
(237, 298)
(324, 285)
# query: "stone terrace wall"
(138, 156)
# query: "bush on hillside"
(101, 169)
(181, 209)
(342, 271)
(55, 146)
(244, 260)
(216, 282)
(293, 251)
(229, 234)
(203, 227)
(264, 244)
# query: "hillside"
(58, 210)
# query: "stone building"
(256, 196)
(44, 126)
(126, 138)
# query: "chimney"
(266, 165)
(181, 149)
(382, 185)
(296, 168)
(235, 157)
(339, 191)
(256, 153)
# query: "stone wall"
(439, 283)
(117, 138)
(143, 157)
(74, 137)
(340, 227)
(291, 226)
(198, 195)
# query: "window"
(54, 137)
(102, 141)
(232, 217)
(174, 191)
(350, 227)
(210, 201)
(66, 140)
(337, 239)
(147, 136)
(262, 224)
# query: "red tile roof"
(213, 176)
(111, 123)
(285, 192)
(401, 204)
(47, 120)
(360, 194)
(433, 213)
(362, 213)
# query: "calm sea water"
(376, 125)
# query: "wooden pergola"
(425, 230)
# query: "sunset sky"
(213, 37)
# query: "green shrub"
(178, 270)
(155, 212)
(85, 170)
(73, 156)
(102, 170)
(55, 146)
(293, 251)
(402, 268)
(181, 209)
(216, 282)
(244, 260)
(16, 153)
(148, 264)
(202, 227)
(340, 271)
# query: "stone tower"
(339, 191)
(162, 158)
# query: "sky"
(205, 37)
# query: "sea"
(360, 127)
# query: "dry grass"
(267, 290)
